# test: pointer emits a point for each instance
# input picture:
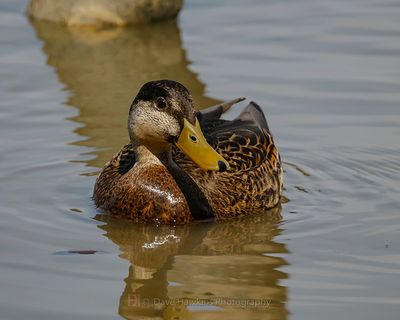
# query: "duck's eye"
(161, 103)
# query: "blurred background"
(327, 75)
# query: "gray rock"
(101, 13)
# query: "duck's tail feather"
(215, 112)
(253, 113)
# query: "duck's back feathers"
(253, 182)
(246, 142)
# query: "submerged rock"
(100, 13)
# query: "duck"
(182, 165)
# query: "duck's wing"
(120, 163)
(125, 159)
(245, 142)
(253, 182)
(112, 171)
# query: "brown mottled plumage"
(148, 181)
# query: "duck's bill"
(192, 142)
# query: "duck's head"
(163, 114)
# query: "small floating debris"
(301, 189)
(302, 171)
(76, 210)
(71, 252)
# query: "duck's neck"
(196, 200)
(151, 154)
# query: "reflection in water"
(228, 264)
(104, 69)
(202, 271)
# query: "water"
(328, 77)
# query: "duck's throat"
(147, 155)
(195, 198)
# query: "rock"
(100, 13)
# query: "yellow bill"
(192, 142)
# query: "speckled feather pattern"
(140, 193)
(254, 181)
(252, 184)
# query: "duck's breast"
(148, 194)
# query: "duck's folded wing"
(245, 142)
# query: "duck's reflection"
(104, 69)
(202, 271)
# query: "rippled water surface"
(327, 74)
